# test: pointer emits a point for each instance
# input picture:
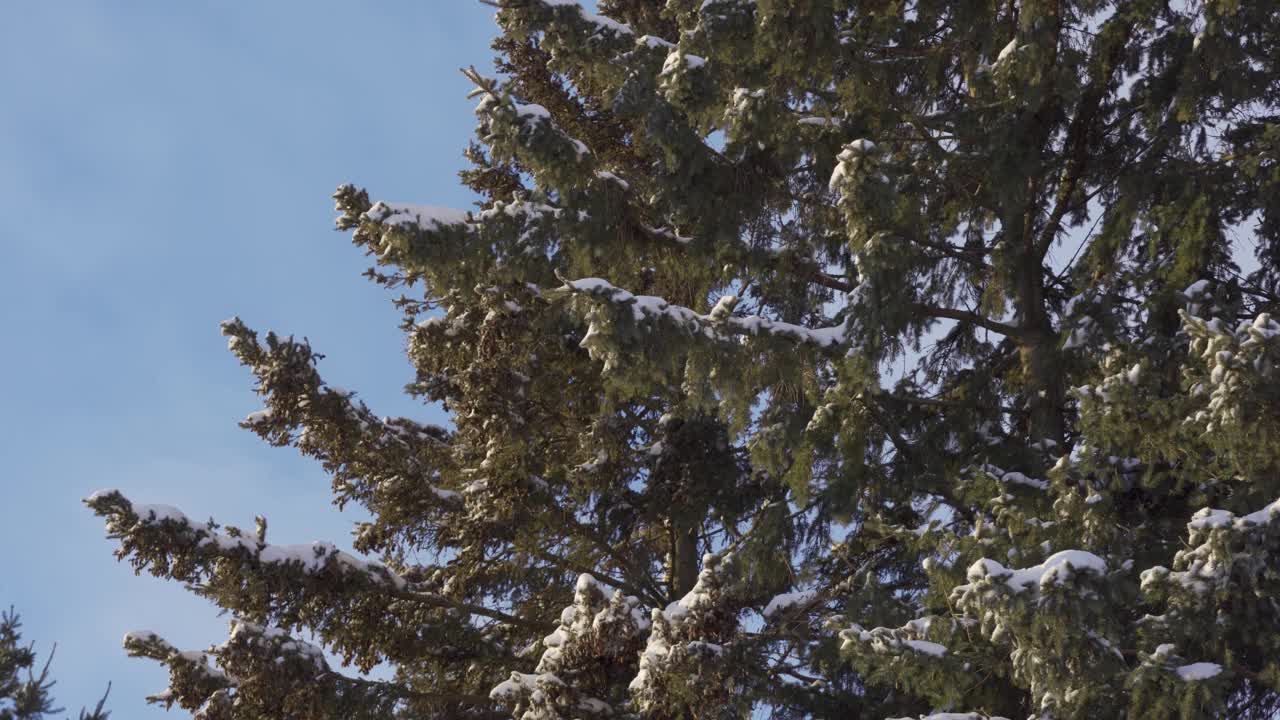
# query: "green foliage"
(816, 358)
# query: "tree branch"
(434, 600)
(968, 317)
(1077, 140)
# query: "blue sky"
(163, 167)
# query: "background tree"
(28, 698)
(813, 358)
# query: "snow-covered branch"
(330, 586)
(719, 324)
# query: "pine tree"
(807, 358)
(24, 694)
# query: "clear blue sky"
(162, 168)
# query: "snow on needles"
(1203, 564)
(911, 637)
(1007, 51)
(424, 217)
(677, 638)
(596, 628)
(600, 21)
(242, 634)
(1058, 569)
(848, 161)
(310, 557)
(952, 716)
(886, 642)
(714, 323)
(531, 110)
(1166, 658)
(674, 59)
(1210, 518)
(1197, 671)
(252, 633)
(537, 114)
(788, 600)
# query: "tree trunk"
(1041, 366)
(682, 568)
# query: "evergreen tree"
(24, 694)
(805, 358)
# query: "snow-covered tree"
(805, 358)
(25, 693)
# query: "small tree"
(816, 358)
(28, 698)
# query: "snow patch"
(428, 218)
(1197, 671)
(1007, 51)
(601, 22)
(1057, 569)
(1210, 518)
(788, 600)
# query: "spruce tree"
(24, 693)
(803, 358)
